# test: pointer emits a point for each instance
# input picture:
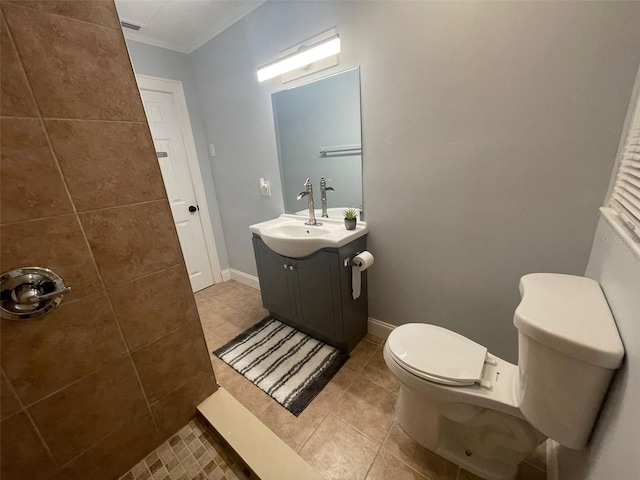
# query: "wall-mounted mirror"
(318, 135)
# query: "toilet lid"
(437, 354)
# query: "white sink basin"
(290, 237)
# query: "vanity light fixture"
(303, 56)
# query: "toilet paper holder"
(348, 262)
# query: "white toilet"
(486, 414)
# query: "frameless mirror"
(318, 135)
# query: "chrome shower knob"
(30, 292)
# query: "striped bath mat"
(289, 366)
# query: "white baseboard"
(378, 328)
(226, 274)
(240, 277)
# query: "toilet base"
(485, 442)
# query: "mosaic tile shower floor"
(193, 453)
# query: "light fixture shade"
(324, 49)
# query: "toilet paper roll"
(359, 263)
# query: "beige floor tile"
(228, 331)
(360, 355)
(293, 430)
(388, 467)
(215, 313)
(529, 472)
(253, 398)
(213, 290)
(427, 463)
(464, 475)
(338, 451)
(236, 296)
(368, 408)
(525, 472)
(377, 371)
(539, 457)
(361, 398)
(332, 393)
(373, 339)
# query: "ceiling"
(181, 25)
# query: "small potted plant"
(350, 218)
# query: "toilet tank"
(568, 350)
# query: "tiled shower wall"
(91, 388)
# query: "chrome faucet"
(309, 193)
(323, 196)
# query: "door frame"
(174, 87)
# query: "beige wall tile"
(410, 452)
(23, 454)
(131, 241)
(338, 451)
(106, 164)
(101, 423)
(176, 409)
(8, 401)
(15, 96)
(152, 306)
(165, 364)
(388, 467)
(31, 185)
(74, 419)
(56, 243)
(74, 340)
(86, 76)
(115, 454)
(100, 12)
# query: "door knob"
(193, 209)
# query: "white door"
(170, 148)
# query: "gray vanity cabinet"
(313, 294)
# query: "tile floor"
(193, 453)
(348, 431)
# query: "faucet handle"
(307, 182)
(323, 184)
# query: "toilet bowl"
(486, 414)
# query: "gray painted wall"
(489, 132)
(159, 62)
(612, 453)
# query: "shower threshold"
(261, 449)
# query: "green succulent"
(350, 213)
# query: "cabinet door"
(275, 285)
(315, 293)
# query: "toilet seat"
(437, 354)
